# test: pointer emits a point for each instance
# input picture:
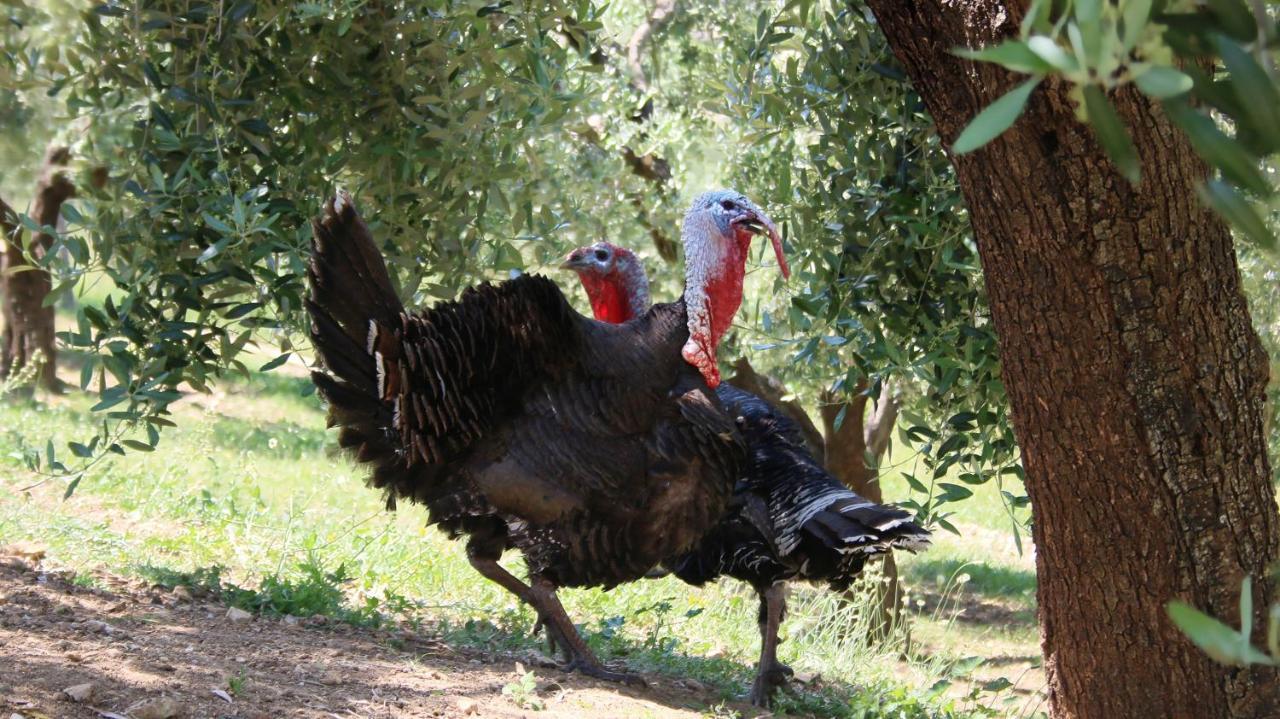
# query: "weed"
(235, 685)
(524, 691)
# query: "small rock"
(808, 677)
(158, 708)
(290, 620)
(693, 684)
(236, 614)
(16, 715)
(99, 626)
(24, 550)
(468, 706)
(79, 693)
(717, 652)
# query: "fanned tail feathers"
(412, 393)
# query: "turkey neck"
(714, 268)
(619, 296)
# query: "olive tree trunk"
(28, 331)
(854, 449)
(1135, 377)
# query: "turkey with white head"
(788, 518)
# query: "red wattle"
(724, 288)
(609, 302)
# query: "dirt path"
(134, 644)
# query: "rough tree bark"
(1134, 374)
(853, 453)
(28, 324)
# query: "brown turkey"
(597, 450)
(788, 518)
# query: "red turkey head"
(614, 279)
(717, 235)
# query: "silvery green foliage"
(1221, 642)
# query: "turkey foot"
(768, 679)
(552, 617)
(552, 649)
(561, 632)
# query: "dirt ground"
(151, 654)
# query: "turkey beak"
(572, 261)
(759, 223)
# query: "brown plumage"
(596, 450)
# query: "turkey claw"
(596, 671)
(766, 683)
(779, 674)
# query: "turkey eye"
(728, 205)
(601, 255)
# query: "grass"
(246, 500)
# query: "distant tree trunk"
(1134, 374)
(853, 453)
(28, 324)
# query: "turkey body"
(788, 518)
(606, 454)
(594, 449)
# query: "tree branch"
(659, 15)
(878, 429)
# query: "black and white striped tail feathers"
(807, 506)
(413, 393)
(847, 522)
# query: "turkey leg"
(551, 614)
(771, 673)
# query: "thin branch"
(659, 15)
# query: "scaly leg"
(770, 673)
(551, 615)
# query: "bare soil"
(134, 643)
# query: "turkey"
(788, 518)
(596, 450)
